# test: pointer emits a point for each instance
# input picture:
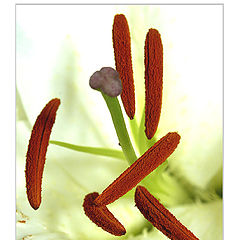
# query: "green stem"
(91, 150)
(120, 127)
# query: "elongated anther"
(160, 217)
(101, 216)
(149, 161)
(37, 149)
(123, 62)
(153, 81)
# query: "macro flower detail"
(148, 162)
(37, 149)
(153, 81)
(123, 61)
(139, 163)
(160, 217)
(106, 80)
(155, 156)
(102, 216)
(94, 204)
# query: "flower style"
(163, 183)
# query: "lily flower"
(56, 58)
